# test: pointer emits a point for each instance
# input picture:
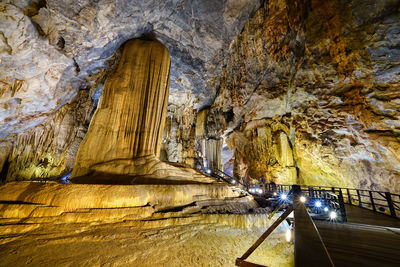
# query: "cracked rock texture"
(317, 80)
(49, 50)
(49, 53)
(140, 225)
(328, 72)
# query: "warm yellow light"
(288, 235)
(303, 199)
(333, 215)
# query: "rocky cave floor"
(127, 244)
(137, 225)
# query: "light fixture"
(288, 235)
(326, 209)
(318, 204)
(333, 215)
(283, 196)
(233, 181)
(208, 171)
(303, 199)
(260, 191)
(275, 194)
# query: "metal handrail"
(377, 201)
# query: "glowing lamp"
(283, 196)
(318, 204)
(333, 215)
(326, 209)
(303, 199)
(288, 235)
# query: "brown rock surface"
(126, 130)
(325, 71)
(146, 225)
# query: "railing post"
(359, 198)
(390, 204)
(342, 207)
(349, 196)
(371, 198)
(333, 190)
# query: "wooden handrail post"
(390, 204)
(342, 207)
(359, 198)
(371, 198)
(349, 196)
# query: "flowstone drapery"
(124, 137)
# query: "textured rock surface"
(58, 47)
(125, 134)
(135, 225)
(324, 70)
(130, 118)
(49, 50)
(49, 150)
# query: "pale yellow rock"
(201, 123)
(125, 134)
(79, 196)
(130, 118)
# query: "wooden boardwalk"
(364, 216)
(352, 244)
(367, 239)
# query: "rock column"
(129, 121)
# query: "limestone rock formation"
(59, 47)
(153, 225)
(324, 70)
(124, 137)
(327, 70)
(49, 149)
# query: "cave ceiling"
(51, 49)
(309, 88)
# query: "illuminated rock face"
(124, 137)
(325, 70)
(49, 150)
(138, 225)
(129, 121)
(262, 149)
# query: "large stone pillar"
(123, 143)
(129, 120)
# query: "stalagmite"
(125, 134)
(214, 154)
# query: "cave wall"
(327, 71)
(48, 150)
(320, 74)
(51, 50)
